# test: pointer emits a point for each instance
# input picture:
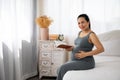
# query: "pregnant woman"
(82, 53)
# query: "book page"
(60, 44)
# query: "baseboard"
(30, 75)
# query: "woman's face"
(83, 24)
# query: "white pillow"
(112, 48)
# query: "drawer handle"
(52, 63)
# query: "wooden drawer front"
(45, 63)
(58, 57)
(45, 54)
(54, 70)
(46, 45)
(45, 72)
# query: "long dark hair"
(86, 18)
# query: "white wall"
(104, 15)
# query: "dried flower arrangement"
(43, 21)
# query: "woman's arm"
(99, 47)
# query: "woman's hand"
(80, 55)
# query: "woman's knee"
(63, 68)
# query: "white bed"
(107, 63)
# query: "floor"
(43, 78)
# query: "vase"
(44, 33)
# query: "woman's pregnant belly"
(77, 50)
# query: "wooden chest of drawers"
(50, 58)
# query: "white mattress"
(107, 68)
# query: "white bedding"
(107, 63)
(107, 68)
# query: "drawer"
(46, 45)
(45, 71)
(45, 63)
(58, 60)
(54, 71)
(45, 54)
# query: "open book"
(60, 44)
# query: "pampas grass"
(43, 21)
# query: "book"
(60, 44)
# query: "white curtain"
(18, 55)
(104, 15)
